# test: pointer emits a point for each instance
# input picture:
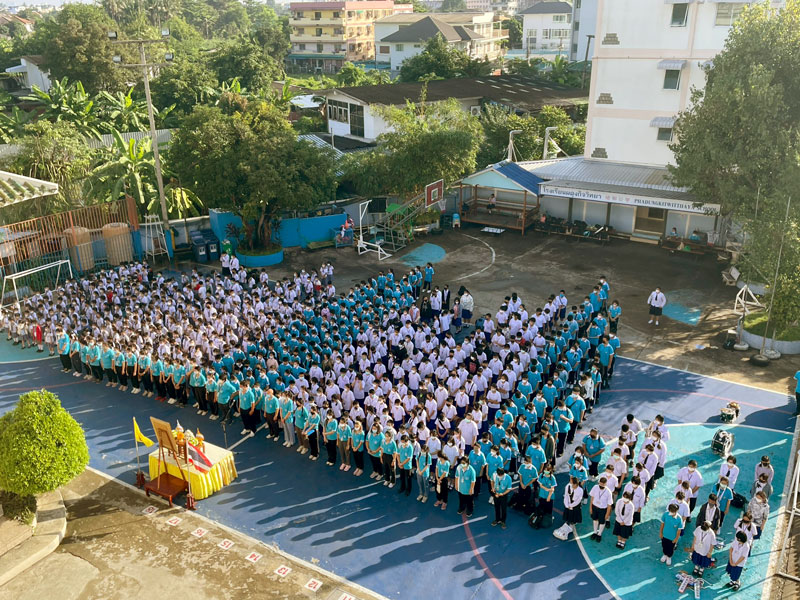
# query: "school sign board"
(627, 199)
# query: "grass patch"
(21, 508)
(756, 323)
(271, 249)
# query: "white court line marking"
(494, 256)
(244, 439)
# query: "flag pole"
(190, 503)
(139, 473)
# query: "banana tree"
(126, 168)
(69, 102)
(13, 123)
(123, 112)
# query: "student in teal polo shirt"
(564, 418)
(606, 353)
(670, 532)
(614, 313)
(144, 365)
(331, 426)
(593, 447)
(424, 472)
(226, 390)
(271, 407)
(300, 418)
(311, 432)
(179, 378)
(547, 490)
(527, 477)
(404, 462)
(211, 393)
(247, 409)
(465, 485)
(197, 383)
(501, 487)
(388, 452)
(75, 346)
(442, 472)
(343, 435)
(374, 444)
(357, 446)
(84, 353)
(107, 362)
(131, 366)
(797, 394)
(287, 419)
(63, 346)
(93, 358)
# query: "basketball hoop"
(442, 204)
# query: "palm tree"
(116, 8)
(123, 112)
(126, 168)
(69, 102)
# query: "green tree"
(55, 152)
(419, 6)
(514, 26)
(351, 75)
(738, 143)
(252, 164)
(183, 83)
(122, 112)
(454, 6)
(426, 142)
(249, 62)
(13, 122)
(439, 60)
(125, 168)
(77, 47)
(41, 446)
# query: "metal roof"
(547, 8)
(580, 169)
(620, 189)
(668, 122)
(518, 175)
(672, 64)
(18, 188)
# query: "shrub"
(41, 446)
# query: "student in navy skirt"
(702, 548)
(737, 557)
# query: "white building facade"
(584, 24)
(547, 29)
(648, 54)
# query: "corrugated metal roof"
(518, 175)
(668, 122)
(672, 64)
(320, 143)
(18, 188)
(580, 169)
(620, 189)
(163, 136)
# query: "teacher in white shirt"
(657, 300)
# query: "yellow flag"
(140, 437)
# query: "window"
(320, 48)
(574, 48)
(417, 45)
(664, 134)
(728, 12)
(317, 16)
(298, 14)
(318, 31)
(672, 79)
(337, 111)
(356, 120)
(352, 47)
(679, 12)
(385, 50)
(398, 47)
(301, 30)
(577, 3)
(338, 31)
(556, 34)
(301, 46)
(559, 18)
(336, 14)
(337, 48)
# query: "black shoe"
(599, 538)
(469, 515)
(593, 537)
(494, 523)
(460, 512)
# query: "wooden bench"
(730, 275)
(322, 244)
(508, 208)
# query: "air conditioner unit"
(475, 111)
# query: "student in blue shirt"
(614, 313)
(501, 487)
(63, 346)
(593, 447)
(226, 390)
(424, 473)
(357, 445)
(343, 435)
(388, 452)
(156, 371)
(477, 460)
(670, 532)
(178, 380)
(93, 358)
(330, 438)
(465, 486)
(247, 409)
(374, 444)
(197, 383)
(428, 278)
(606, 353)
(287, 409)
(107, 362)
(797, 393)
(211, 393)
(404, 461)
(527, 477)
(442, 472)
(547, 489)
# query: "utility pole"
(145, 66)
(589, 38)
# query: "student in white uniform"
(702, 548)
(600, 505)
(737, 557)
(623, 519)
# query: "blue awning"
(520, 176)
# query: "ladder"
(394, 229)
(153, 240)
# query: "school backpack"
(738, 501)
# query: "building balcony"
(318, 39)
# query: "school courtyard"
(358, 539)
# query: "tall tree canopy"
(739, 142)
(440, 60)
(252, 164)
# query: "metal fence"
(91, 238)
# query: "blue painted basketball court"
(400, 548)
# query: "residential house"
(326, 35)
(30, 72)
(547, 30)
(402, 36)
(504, 7)
(350, 110)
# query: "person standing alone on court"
(657, 301)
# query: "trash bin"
(200, 252)
(213, 250)
(227, 246)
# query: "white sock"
(594, 525)
(600, 529)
